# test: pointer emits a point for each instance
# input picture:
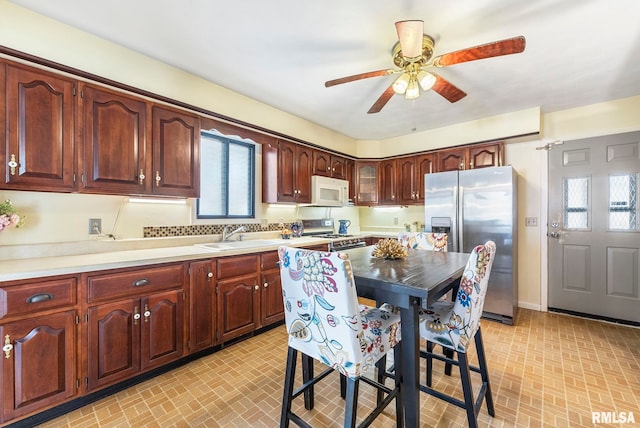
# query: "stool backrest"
(424, 240)
(321, 307)
(469, 301)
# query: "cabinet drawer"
(33, 297)
(234, 266)
(134, 282)
(269, 260)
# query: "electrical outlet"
(531, 221)
(395, 220)
(264, 222)
(95, 226)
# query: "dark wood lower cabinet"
(132, 335)
(38, 364)
(202, 308)
(238, 309)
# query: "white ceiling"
(281, 52)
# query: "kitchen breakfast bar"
(409, 284)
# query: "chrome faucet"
(226, 234)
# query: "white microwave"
(329, 192)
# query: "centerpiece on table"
(8, 216)
(389, 249)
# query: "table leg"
(411, 365)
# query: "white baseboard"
(532, 306)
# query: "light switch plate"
(531, 221)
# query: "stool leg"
(351, 403)
(484, 372)
(381, 368)
(289, 377)
(447, 366)
(467, 391)
(307, 374)
(343, 386)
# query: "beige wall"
(63, 217)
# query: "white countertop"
(28, 268)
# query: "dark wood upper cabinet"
(115, 143)
(321, 163)
(176, 153)
(38, 130)
(366, 182)
(424, 164)
(329, 165)
(338, 167)
(486, 156)
(470, 157)
(293, 171)
(388, 187)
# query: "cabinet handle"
(417, 195)
(158, 178)
(141, 177)
(462, 163)
(13, 164)
(265, 285)
(7, 346)
(41, 297)
(136, 315)
(147, 314)
(210, 275)
(256, 287)
(470, 164)
(141, 282)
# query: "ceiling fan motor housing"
(427, 52)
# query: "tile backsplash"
(201, 229)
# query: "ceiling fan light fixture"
(410, 37)
(401, 84)
(413, 91)
(426, 80)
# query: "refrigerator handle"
(460, 225)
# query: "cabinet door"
(176, 153)
(201, 305)
(424, 164)
(304, 159)
(40, 370)
(272, 304)
(388, 182)
(40, 131)
(452, 160)
(338, 167)
(161, 328)
(366, 183)
(238, 310)
(115, 143)
(485, 156)
(406, 185)
(321, 163)
(287, 190)
(349, 168)
(114, 342)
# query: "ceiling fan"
(413, 55)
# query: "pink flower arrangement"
(8, 216)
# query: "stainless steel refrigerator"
(474, 206)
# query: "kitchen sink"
(235, 245)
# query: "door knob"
(554, 234)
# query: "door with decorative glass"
(594, 227)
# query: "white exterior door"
(594, 227)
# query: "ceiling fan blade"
(410, 37)
(360, 76)
(382, 101)
(447, 89)
(499, 48)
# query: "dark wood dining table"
(409, 283)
